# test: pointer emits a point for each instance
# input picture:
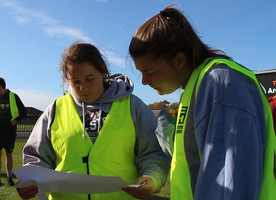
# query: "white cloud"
(37, 99)
(49, 25)
(63, 31)
(119, 27)
(25, 15)
(21, 20)
(53, 27)
(114, 59)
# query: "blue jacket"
(234, 160)
(231, 152)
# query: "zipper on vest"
(85, 160)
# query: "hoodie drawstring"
(83, 121)
(99, 119)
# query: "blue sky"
(34, 33)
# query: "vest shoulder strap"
(13, 106)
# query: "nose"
(145, 80)
(82, 86)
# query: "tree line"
(171, 108)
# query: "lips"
(84, 95)
(156, 88)
(152, 86)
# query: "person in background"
(12, 110)
(224, 143)
(99, 128)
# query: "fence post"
(25, 127)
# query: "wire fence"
(25, 127)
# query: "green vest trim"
(182, 189)
(13, 106)
(110, 155)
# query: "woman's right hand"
(27, 192)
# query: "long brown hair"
(166, 34)
(83, 52)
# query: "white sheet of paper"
(55, 181)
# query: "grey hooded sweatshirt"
(150, 159)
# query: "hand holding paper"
(141, 189)
(27, 189)
(54, 181)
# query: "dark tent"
(267, 80)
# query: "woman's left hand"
(144, 190)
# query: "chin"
(87, 100)
(164, 92)
(160, 92)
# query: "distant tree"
(174, 105)
(172, 108)
(165, 103)
(156, 106)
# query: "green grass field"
(9, 193)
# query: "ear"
(180, 59)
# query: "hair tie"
(164, 15)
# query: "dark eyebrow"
(147, 70)
(89, 75)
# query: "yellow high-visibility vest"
(112, 154)
(181, 187)
(13, 106)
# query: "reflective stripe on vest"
(13, 106)
(111, 155)
(182, 189)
